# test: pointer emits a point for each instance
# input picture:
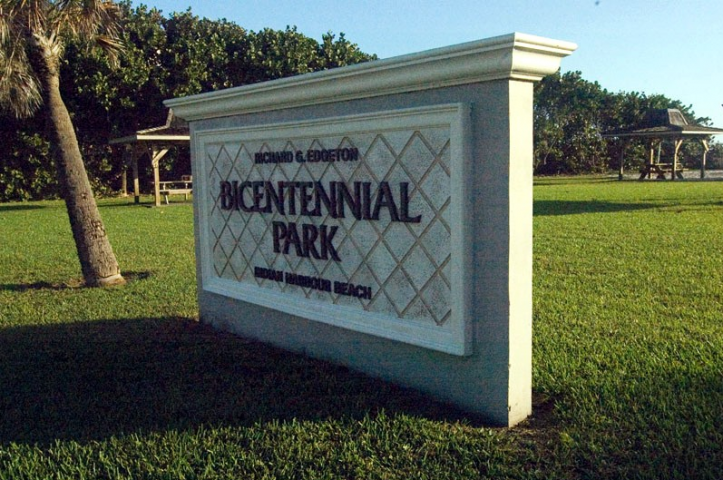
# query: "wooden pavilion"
(665, 125)
(155, 143)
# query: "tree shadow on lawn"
(543, 208)
(572, 207)
(18, 207)
(70, 284)
(92, 380)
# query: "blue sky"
(674, 48)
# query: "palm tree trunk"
(97, 260)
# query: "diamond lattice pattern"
(407, 265)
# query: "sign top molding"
(515, 56)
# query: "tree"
(571, 114)
(567, 114)
(340, 52)
(33, 36)
(164, 56)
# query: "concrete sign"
(380, 216)
(350, 221)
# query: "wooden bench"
(184, 187)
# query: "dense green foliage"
(182, 54)
(165, 57)
(571, 114)
(124, 383)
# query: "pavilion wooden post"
(156, 155)
(124, 183)
(136, 183)
(678, 144)
(124, 172)
(651, 159)
(706, 149)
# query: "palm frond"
(45, 26)
(92, 21)
(31, 14)
(112, 46)
(87, 18)
(23, 15)
(19, 87)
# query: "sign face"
(353, 221)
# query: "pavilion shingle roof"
(668, 122)
(175, 130)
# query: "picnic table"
(660, 169)
(184, 187)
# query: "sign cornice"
(515, 56)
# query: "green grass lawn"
(124, 382)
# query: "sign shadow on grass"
(93, 380)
